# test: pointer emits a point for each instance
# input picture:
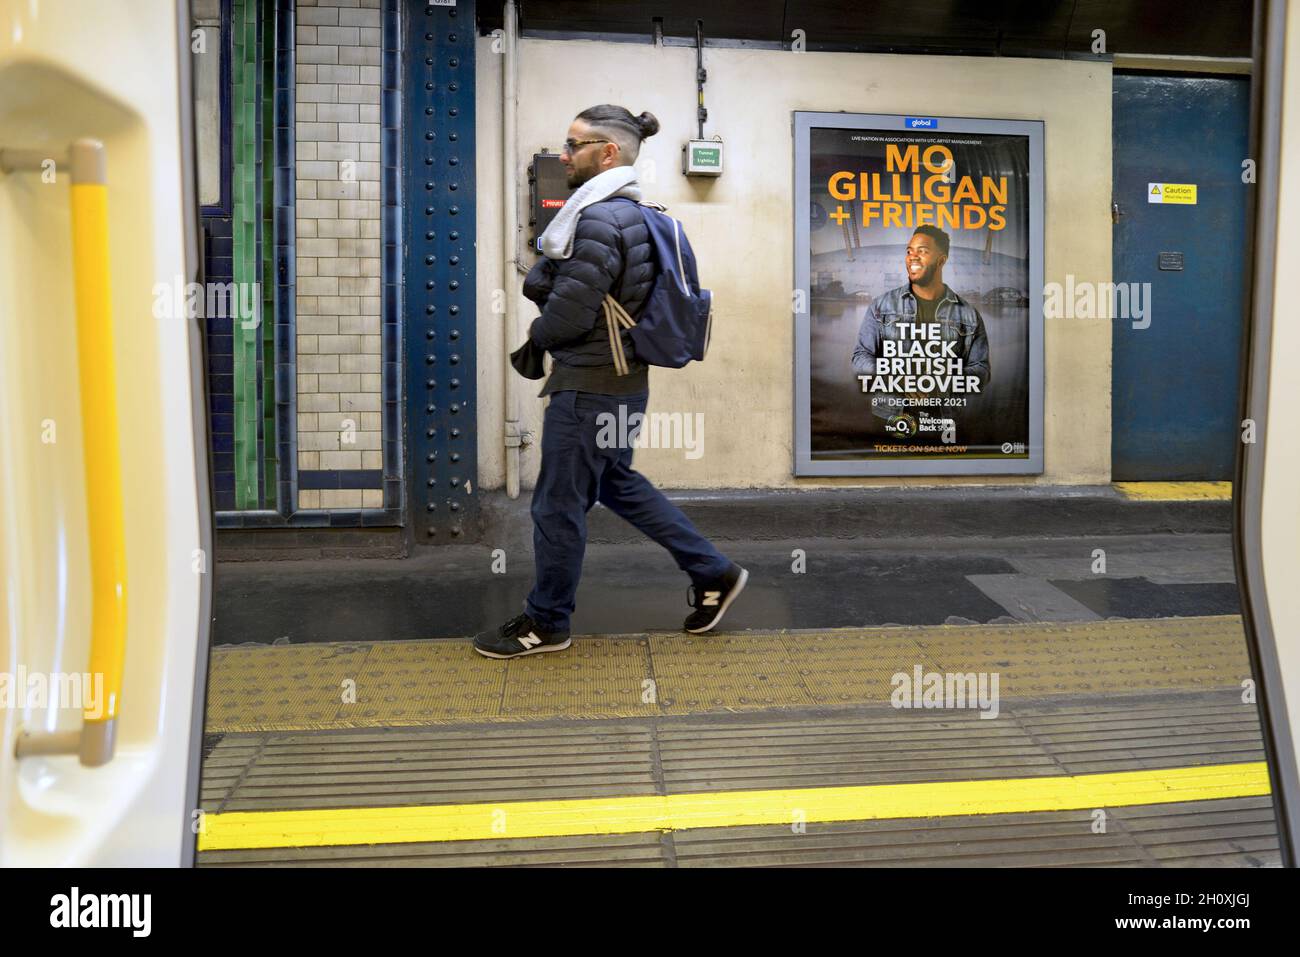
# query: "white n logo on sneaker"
(712, 597)
(529, 640)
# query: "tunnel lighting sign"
(918, 306)
(1182, 194)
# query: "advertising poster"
(917, 305)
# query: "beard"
(577, 177)
(924, 277)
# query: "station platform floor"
(627, 588)
(1114, 742)
(349, 722)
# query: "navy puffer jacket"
(612, 254)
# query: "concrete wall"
(741, 226)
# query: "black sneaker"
(519, 636)
(711, 601)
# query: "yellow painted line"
(241, 830)
(1176, 491)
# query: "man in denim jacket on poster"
(925, 299)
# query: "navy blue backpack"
(676, 321)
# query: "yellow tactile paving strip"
(1176, 491)
(387, 684)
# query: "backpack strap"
(616, 319)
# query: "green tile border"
(244, 247)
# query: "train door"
(1267, 507)
(1181, 253)
(105, 550)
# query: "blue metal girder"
(438, 100)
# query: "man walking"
(598, 244)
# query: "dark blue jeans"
(576, 473)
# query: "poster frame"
(804, 121)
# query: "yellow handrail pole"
(102, 449)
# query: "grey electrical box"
(702, 158)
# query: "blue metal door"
(1174, 384)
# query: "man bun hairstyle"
(934, 232)
(649, 125)
(619, 125)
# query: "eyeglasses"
(572, 146)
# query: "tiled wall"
(338, 254)
(221, 392)
(218, 266)
(242, 392)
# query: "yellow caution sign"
(1183, 194)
